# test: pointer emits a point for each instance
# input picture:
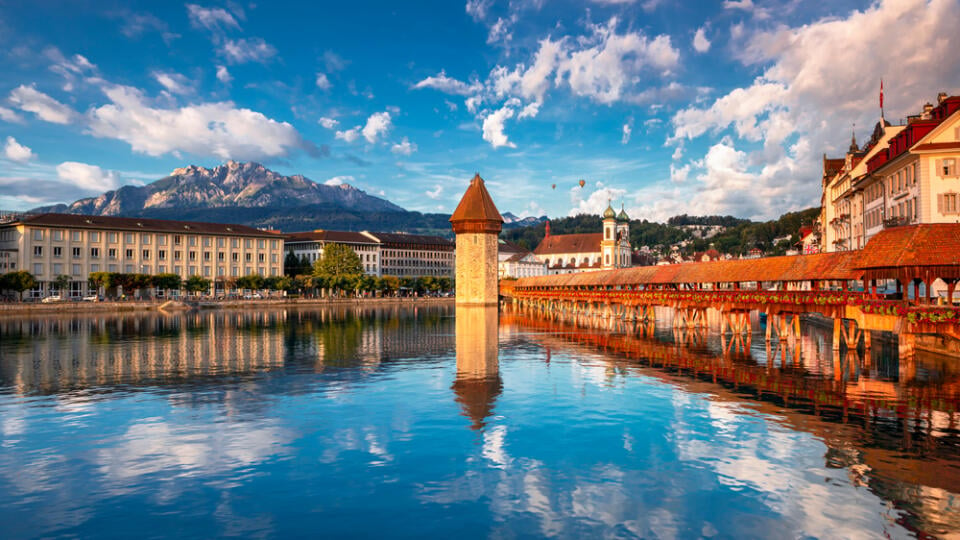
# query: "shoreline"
(36, 308)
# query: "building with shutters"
(903, 175)
(52, 245)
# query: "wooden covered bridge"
(845, 286)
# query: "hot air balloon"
(554, 186)
(582, 182)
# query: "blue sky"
(667, 107)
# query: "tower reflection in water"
(478, 382)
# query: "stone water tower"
(477, 224)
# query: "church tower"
(623, 239)
(477, 224)
(608, 244)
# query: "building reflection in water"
(67, 353)
(478, 382)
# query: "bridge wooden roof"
(927, 250)
(823, 266)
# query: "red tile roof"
(570, 243)
(932, 244)
(823, 266)
(476, 211)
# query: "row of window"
(57, 269)
(146, 254)
(59, 235)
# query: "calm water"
(412, 423)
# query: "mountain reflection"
(478, 382)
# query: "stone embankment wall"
(30, 308)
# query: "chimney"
(547, 229)
(941, 97)
(927, 109)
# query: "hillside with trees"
(738, 237)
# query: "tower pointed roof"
(476, 211)
(622, 216)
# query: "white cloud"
(700, 42)
(328, 123)
(679, 174)
(89, 177)
(605, 66)
(213, 19)
(596, 202)
(239, 51)
(493, 128)
(450, 105)
(17, 152)
(478, 8)
(339, 180)
(377, 124)
(8, 115)
(323, 82)
(791, 114)
(604, 70)
(334, 62)
(404, 147)
(500, 32)
(223, 75)
(28, 98)
(745, 5)
(677, 153)
(627, 130)
(213, 129)
(349, 135)
(71, 69)
(435, 194)
(173, 82)
(448, 85)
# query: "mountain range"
(250, 194)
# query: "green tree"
(390, 284)
(19, 281)
(61, 282)
(291, 265)
(252, 281)
(166, 282)
(100, 281)
(338, 260)
(196, 284)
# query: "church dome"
(609, 213)
(622, 216)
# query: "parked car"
(91, 298)
(52, 299)
(254, 296)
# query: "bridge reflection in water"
(892, 422)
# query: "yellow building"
(52, 245)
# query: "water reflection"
(268, 423)
(890, 422)
(57, 354)
(478, 380)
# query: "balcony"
(897, 222)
